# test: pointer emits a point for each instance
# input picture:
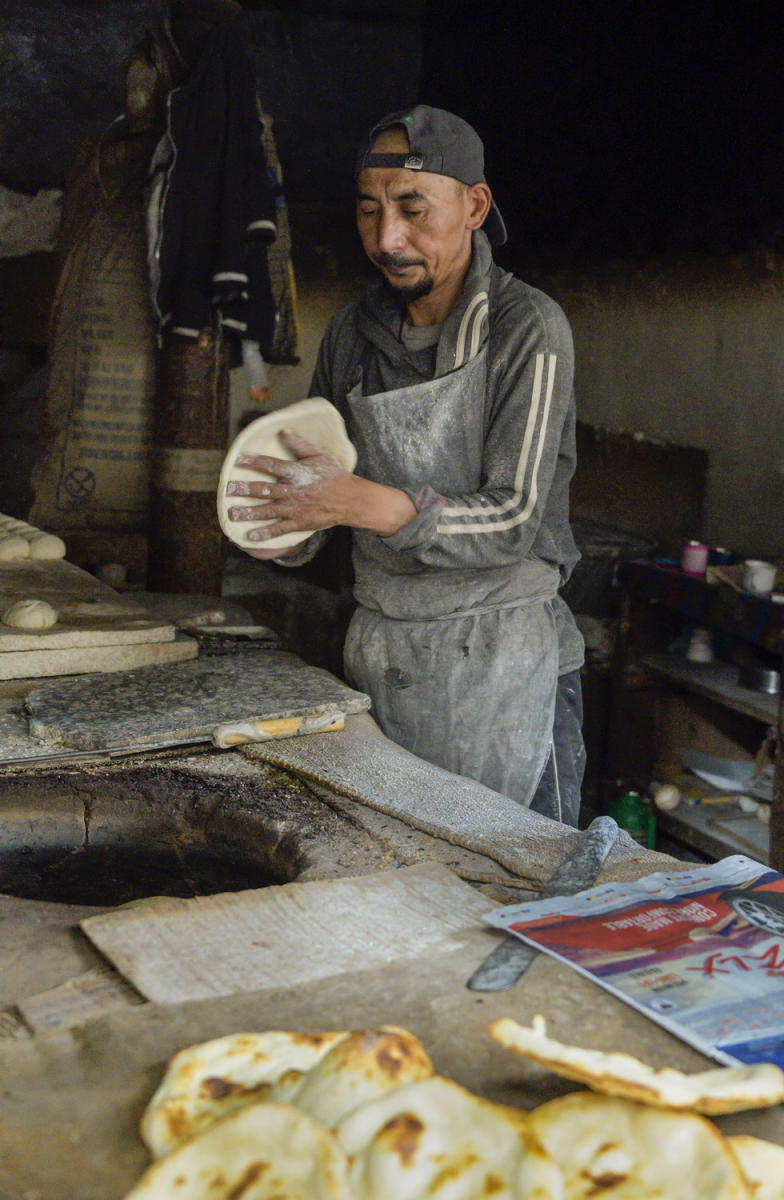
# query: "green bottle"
(635, 814)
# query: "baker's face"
(414, 225)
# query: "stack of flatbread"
(363, 1116)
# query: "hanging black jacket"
(213, 200)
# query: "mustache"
(382, 259)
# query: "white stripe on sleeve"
(480, 524)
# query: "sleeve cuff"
(421, 529)
(308, 550)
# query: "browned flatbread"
(205, 1082)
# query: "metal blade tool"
(579, 870)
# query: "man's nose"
(391, 232)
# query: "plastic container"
(694, 558)
(635, 814)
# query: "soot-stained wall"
(324, 76)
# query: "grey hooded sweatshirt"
(492, 498)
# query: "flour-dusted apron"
(456, 675)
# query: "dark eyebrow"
(412, 195)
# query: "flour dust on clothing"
(460, 636)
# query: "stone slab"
(161, 705)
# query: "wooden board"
(97, 629)
(90, 612)
(40, 664)
(173, 950)
(170, 705)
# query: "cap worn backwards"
(439, 142)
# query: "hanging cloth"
(214, 201)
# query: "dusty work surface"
(85, 1090)
(184, 701)
(360, 762)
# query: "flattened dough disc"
(315, 419)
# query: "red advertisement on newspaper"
(699, 951)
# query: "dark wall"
(621, 128)
(610, 129)
(61, 80)
(326, 71)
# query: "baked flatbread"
(763, 1165)
(434, 1139)
(619, 1150)
(262, 1152)
(205, 1082)
(720, 1090)
(362, 1067)
(315, 419)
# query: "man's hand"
(313, 493)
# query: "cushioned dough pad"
(315, 419)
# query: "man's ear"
(480, 198)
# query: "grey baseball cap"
(439, 142)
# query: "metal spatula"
(580, 869)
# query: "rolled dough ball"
(315, 419)
(115, 574)
(46, 545)
(13, 547)
(667, 797)
(30, 614)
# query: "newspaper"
(701, 952)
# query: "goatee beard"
(414, 291)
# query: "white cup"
(758, 577)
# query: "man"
(455, 380)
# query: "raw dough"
(30, 614)
(315, 419)
(46, 545)
(13, 547)
(37, 544)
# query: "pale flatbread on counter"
(435, 1138)
(362, 1116)
(763, 1165)
(619, 1150)
(362, 1067)
(206, 1082)
(325, 1075)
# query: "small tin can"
(636, 816)
(694, 558)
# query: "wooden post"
(191, 431)
(776, 856)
